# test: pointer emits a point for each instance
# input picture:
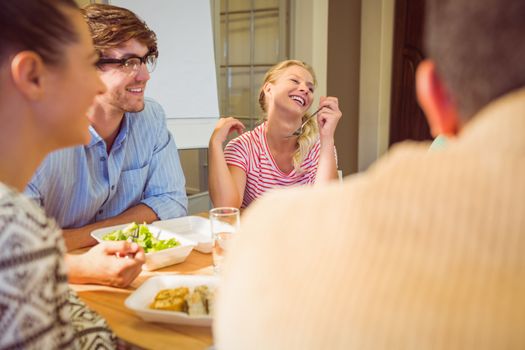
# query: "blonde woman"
(269, 156)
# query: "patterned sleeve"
(33, 282)
(91, 330)
(35, 307)
(236, 153)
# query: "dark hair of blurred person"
(478, 49)
(36, 25)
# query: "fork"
(299, 131)
(133, 236)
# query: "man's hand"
(114, 264)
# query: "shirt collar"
(124, 127)
(95, 137)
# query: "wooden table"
(109, 302)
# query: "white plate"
(162, 258)
(140, 299)
(194, 228)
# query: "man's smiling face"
(125, 88)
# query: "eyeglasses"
(132, 64)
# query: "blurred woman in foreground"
(48, 81)
(272, 155)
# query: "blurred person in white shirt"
(425, 249)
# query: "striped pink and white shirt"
(250, 152)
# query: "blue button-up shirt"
(82, 185)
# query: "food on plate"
(145, 238)
(197, 302)
(171, 299)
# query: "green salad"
(145, 238)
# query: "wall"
(349, 44)
(189, 160)
(82, 3)
(377, 28)
(309, 37)
(344, 38)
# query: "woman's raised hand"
(223, 128)
(328, 117)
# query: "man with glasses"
(130, 170)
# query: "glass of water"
(225, 222)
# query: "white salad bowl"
(194, 228)
(161, 258)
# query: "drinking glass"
(225, 222)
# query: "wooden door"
(407, 120)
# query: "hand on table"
(114, 264)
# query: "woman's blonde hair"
(310, 131)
